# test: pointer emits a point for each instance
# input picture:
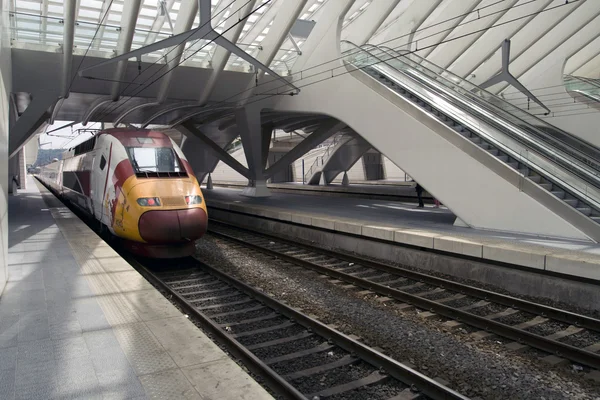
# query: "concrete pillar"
(345, 181)
(22, 170)
(255, 140)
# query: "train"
(137, 186)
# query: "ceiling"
(463, 36)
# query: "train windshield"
(153, 159)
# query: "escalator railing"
(589, 88)
(530, 124)
(587, 168)
(576, 177)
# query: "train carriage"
(138, 185)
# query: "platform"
(429, 228)
(394, 190)
(77, 321)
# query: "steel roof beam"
(131, 9)
(549, 70)
(216, 111)
(491, 40)
(367, 23)
(185, 19)
(44, 21)
(581, 25)
(526, 38)
(398, 33)
(232, 34)
(282, 24)
(125, 113)
(159, 21)
(470, 29)
(203, 32)
(264, 20)
(100, 35)
(444, 20)
(582, 57)
(167, 109)
(70, 7)
(331, 13)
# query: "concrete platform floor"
(382, 189)
(77, 321)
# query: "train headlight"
(148, 201)
(193, 200)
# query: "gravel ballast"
(485, 368)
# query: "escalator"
(564, 165)
(584, 90)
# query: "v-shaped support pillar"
(505, 76)
(256, 140)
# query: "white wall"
(5, 87)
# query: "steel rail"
(403, 373)
(552, 346)
(557, 314)
(274, 380)
(395, 369)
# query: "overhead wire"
(464, 15)
(108, 112)
(113, 107)
(84, 56)
(330, 73)
(345, 55)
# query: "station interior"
(300, 199)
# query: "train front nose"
(173, 226)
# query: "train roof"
(132, 137)
(129, 137)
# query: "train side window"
(102, 162)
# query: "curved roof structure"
(454, 34)
(549, 38)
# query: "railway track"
(298, 356)
(563, 334)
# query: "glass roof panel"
(40, 21)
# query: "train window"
(86, 146)
(102, 163)
(153, 159)
(144, 140)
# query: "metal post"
(303, 171)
